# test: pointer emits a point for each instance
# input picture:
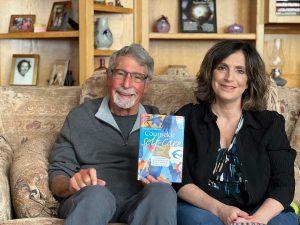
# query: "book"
(161, 147)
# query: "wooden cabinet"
(121, 23)
(189, 48)
(78, 46)
(288, 29)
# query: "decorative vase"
(162, 25)
(277, 61)
(235, 28)
(103, 37)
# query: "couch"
(31, 117)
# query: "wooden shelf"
(293, 80)
(111, 9)
(40, 35)
(202, 36)
(103, 52)
(280, 28)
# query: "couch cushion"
(289, 99)
(295, 141)
(6, 155)
(26, 112)
(31, 196)
(41, 221)
(167, 92)
(273, 101)
(34, 221)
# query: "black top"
(266, 158)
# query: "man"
(93, 165)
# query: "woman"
(238, 164)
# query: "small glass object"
(101, 70)
(277, 61)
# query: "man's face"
(24, 68)
(124, 92)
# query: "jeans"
(188, 214)
(155, 204)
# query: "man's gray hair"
(138, 53)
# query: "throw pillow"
(31, 196)
(6, 155)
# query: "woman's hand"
(150, 179)
(230, 214)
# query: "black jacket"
(266, 158)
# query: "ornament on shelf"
(276, 62)
(101, 70)
(118, 3)
(162, 25)
(110, 2)
(69, 81)
(235, 28)
(103, 37)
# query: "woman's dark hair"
(255, 96)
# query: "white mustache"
(126, 91)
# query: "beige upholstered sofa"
(30, 118)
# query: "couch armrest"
(30, 192)
(6, 154)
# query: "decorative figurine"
(162, 25)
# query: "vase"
(103, 37)
(235, 28)
(162, 25)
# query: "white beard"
(127, 103)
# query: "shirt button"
(246, 181)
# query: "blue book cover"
(161, 147)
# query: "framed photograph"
(59, 16)
(21, 23)
(59, 72)
(24, 70)
(198, 16)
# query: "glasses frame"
(135, 79)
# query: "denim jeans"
(188, 214)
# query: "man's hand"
(83, 178)
(150, 179)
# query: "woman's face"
(230, 79)
(24, 68)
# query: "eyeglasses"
(121, 74)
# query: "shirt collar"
(105, 115)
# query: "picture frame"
(24, 69)
(59, 17)
(21, 23)
(198, 16)
(59, 72)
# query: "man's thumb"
(101, 182)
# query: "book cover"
(161, 147)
